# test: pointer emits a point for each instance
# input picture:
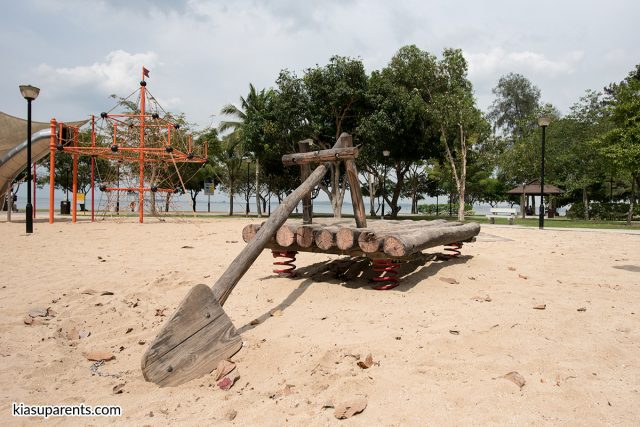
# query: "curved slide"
(13, 153)
(14, 161)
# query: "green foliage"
(517, 101)
(442, 209)
(603, 211)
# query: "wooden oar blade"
(192, 342)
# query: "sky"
(202, 54)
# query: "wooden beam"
(406, 244)
(330, 155)
(305, 171)
(354, 184)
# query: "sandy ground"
(441, 350)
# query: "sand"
(441, 350)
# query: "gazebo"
(532, 188)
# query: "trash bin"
(65, 207)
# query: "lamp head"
(386, 153)
(543, 121)
(29, 92)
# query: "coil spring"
(454, 249)
(288, 264)
(387, 274)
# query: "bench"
(502, 212)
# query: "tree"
(517, 99)
(398, 120)
(255, 120)
(621, 144)
(335, 95)
(226, 156)
(460, 122)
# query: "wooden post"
(354, 184)
(305, 171)
(225, 284)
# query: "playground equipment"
(143, 137)
(200, 334)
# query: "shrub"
(443, 209)
(603, 211)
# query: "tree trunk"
(258, 207)
(632, 199)
(372, 192)
(585, 201)
(231, 198)
(166, 203)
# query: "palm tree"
(250, 107)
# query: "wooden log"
(286, 234)
(354, 184)
(401, 245)
(325, 237)
(305, 234)
(225, 284)
(249, 231)
(347, 237)
(372, 240)
(305, 170)
(314, 249)
(319, 156)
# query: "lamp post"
(543, 122)
(385, 153)
(30, 93)
(248, 161)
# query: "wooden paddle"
(200, 334)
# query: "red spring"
(289, 264)
(454, 248)
(387, 273)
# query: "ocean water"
(219, 203)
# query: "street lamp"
(385, 153)
(543, 122)
(248, 161)
(30, 93)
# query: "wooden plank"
(198, 335)
(354, 185)
(320, 156)
(401, 245)
(225, 284)
(305, 171)
(189, 347)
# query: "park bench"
(502, 212)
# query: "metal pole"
(35, 178)
(541, 220)
(208, 202)
(384, 183)
(29, 207)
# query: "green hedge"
(603, 211)
(443, 209)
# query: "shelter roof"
(533, 188)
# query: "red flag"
(145, 72)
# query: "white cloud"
(116, 74)
(498, 61)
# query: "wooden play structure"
(200, 334)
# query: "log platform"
(394, 239)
